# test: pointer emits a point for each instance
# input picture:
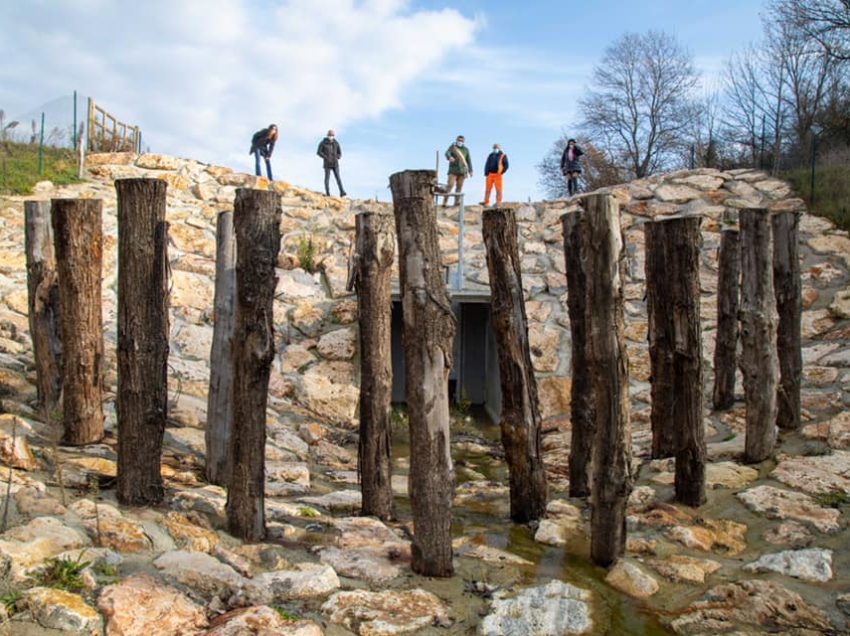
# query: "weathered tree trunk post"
(78, 240)
(726, 339)
(677, 294)
(520, 423)
(758, 333)
(257, 223)
(786, 278)
(218, 430)
(661, 340)
(372, 272)
(429, 328)
(43, 304)
(582, 416)
(142, 400)
(603, 253)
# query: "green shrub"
(307, 254)
(62, 574)
(10, 601)
(19, 167)
(832, 191)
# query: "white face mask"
(459, 144)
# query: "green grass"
(833, 499)
(62, 574)
(832, 191)
(19, 167)
(10, 601)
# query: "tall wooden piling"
(142, 399)
(375, 251)
(726, 339)
(582, 416)
(256, 219)
(758, 333)
(786, 279)
(43, 304)
(78, 241)
(602, 248)
(217, 433)
(520, 419)
(429, 328)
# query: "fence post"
(218, 430)
(786, 275)
(604, 254)
(429, 328)
(374, 256)
(758, 333)
(74, 131)
(256, 220)
(726, 340)
(90, 125)
(43, 304)
(78, 240)
(520, 421)
(582, 416)
(142, 399)
(41, 147)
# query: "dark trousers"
(257, 170)
(335, 170)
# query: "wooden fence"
(107, 134)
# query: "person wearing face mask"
(496, 166)
(570, 166)
(330, 152)
(460, 167)
(262, 145)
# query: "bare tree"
(827, 22)
(639, 104)
(598, 170)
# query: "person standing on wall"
(570, 166)
(330, 152)
(496, 166)
(262, 145)
(460, 167)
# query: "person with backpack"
(460, 167)
(494, 168)
(330, 152)
(262, 145)
(570, 166)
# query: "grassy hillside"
(832, 192)
(19, 167)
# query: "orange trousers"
(493, 179)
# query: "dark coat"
(492, 165)
(574, 165)
(262, 142)
(330, 151)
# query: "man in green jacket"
(460, 167)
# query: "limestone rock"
(840, 306)
(340, 500)
(203, 574)
(14, 450)
(554, 608)
(307, 580)
(563, 519)
(545, 345)
(629, 578)
(719, 535)
(339, 344)
(791, 534)
(718, 475)
(61, 610)
(835, 431)
(816, 475)
(328, 389)
(110, 528)
(25, 547)
(153, 161)
(684, 569)
(676, 193)
(385, 613)
(367, 563)
(260, 620)
(475, 548)
(776, 503)
(810, 564)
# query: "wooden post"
(758, 333)
(659, 304)
(520, 423)
(603, 253)
(78, 240)
(372, 272)
(142, 400)
(679, 240)
(90, 132)
(429, 328)
(726, 340)
(257, 222)
(43, 303)
(218, 430)
(582, 417)
(786, 278)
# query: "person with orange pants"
(496, 166)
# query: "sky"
(397, 80)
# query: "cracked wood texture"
(142, 400)
(43, 304)
(604, 256)
(429, 328)
(758, 333)
(582, 416)
(520, 420)
(375, 252)
(78, 241)
(786, 279)
(726, 339)
(256, 220)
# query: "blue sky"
(397, 80)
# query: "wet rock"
(141, 606)
(629, 578)
(815, 475)
(835, 431)
(776, 503)
(563, 519)
(476, 548)
(201, 573)
(61, 610)
(305, 581)
(811, 564)
(385, 613)
(684, 569)
(188, 534)
(843, 603)
(25, 547)
(717, 475)
(367, 563)
(554, 608)
(260, 620)
(14, 449)
(789, 533)
(718, 535)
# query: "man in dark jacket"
(460, 167)
(330, 152)
(496, 166)
(262, 145)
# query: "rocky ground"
(766, 554)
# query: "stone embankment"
(767, 553)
